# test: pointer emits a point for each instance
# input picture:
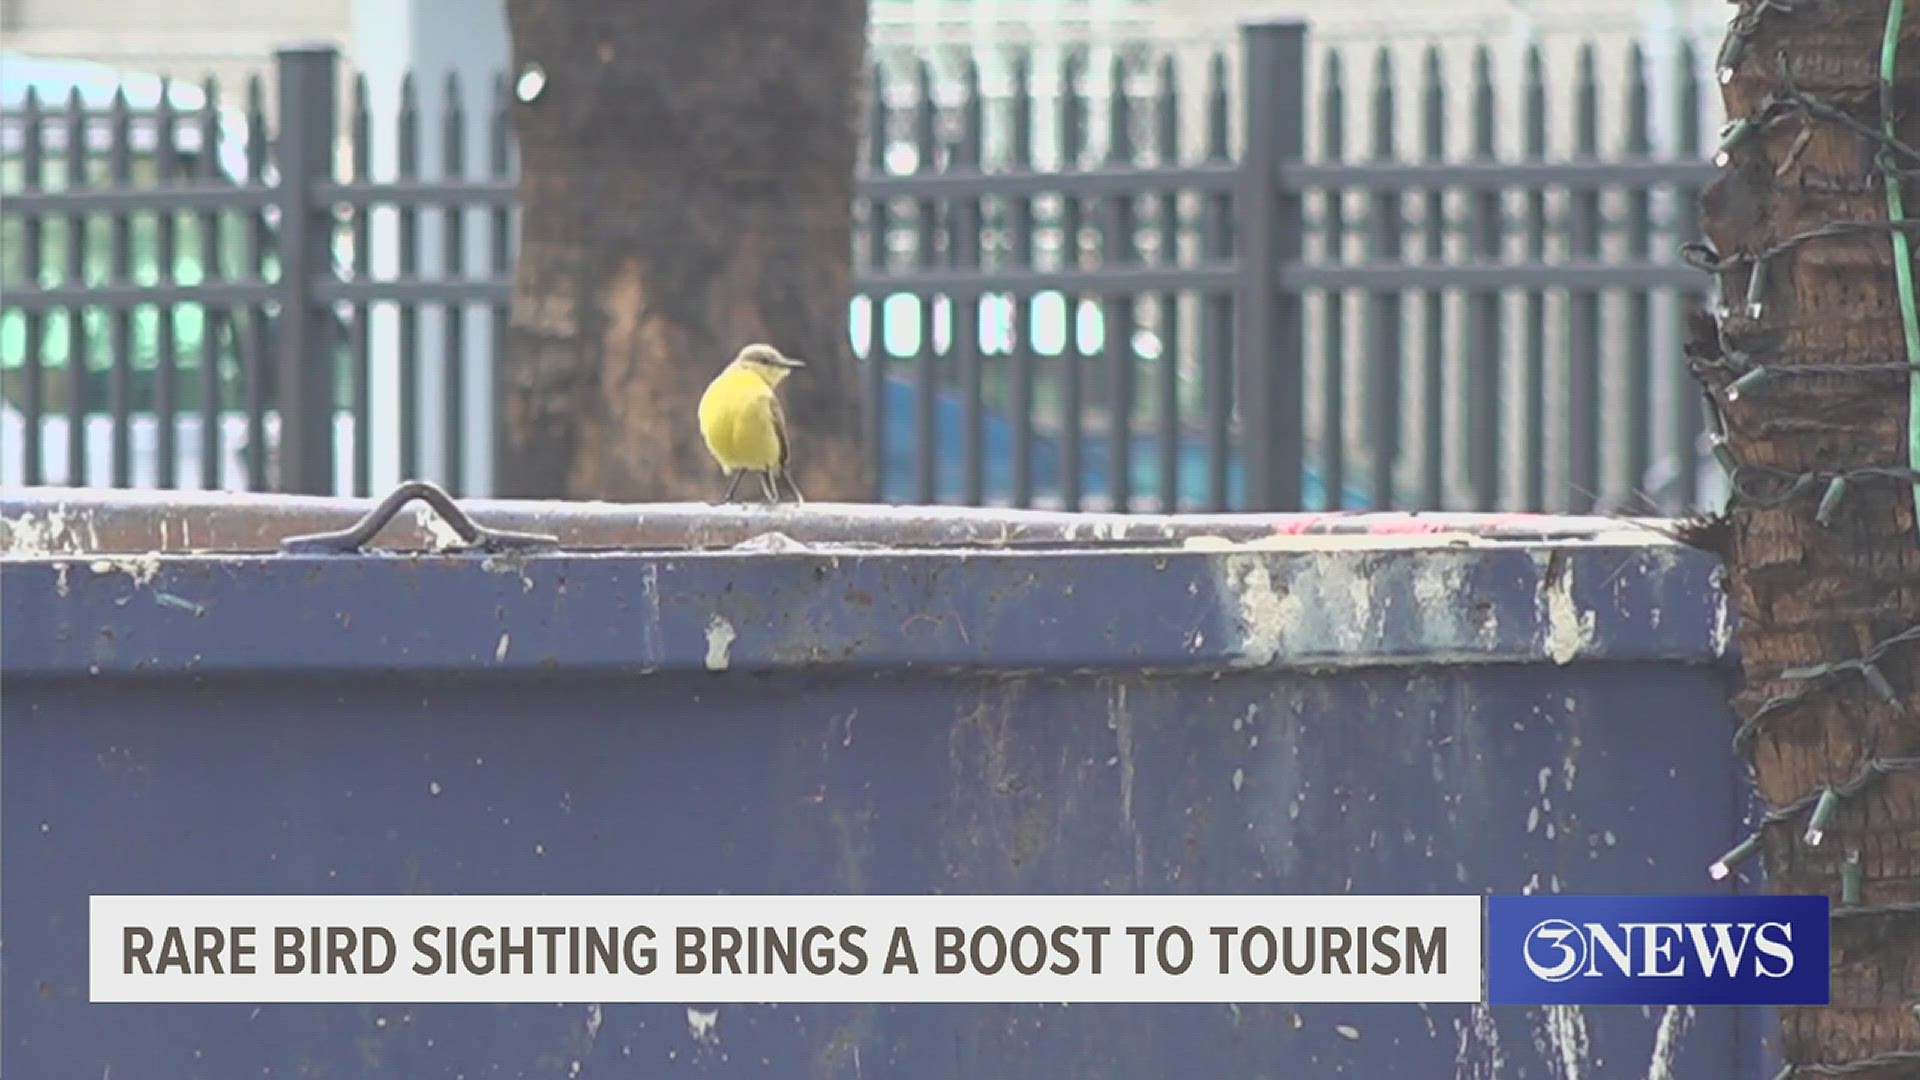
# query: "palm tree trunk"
(1803, 196)
(686, 188)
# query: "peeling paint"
(770, 541)
(1479, 1056)
(1121, 721)
(1329, 609)
(1327, 604)
(1263, 612)
(1441, 590)
(1122, 725)
(1674, 1021)
(650, 624)
(440, 535)
(1569, 629)
(512, 562)
(720, 638)
(31, 535)
(1562, 1040)
(1722, 631)
(141, 569)
(704, 1025)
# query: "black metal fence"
(1140, 313)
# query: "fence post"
(307, 86)
(1271, 347)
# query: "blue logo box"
(1657, 950)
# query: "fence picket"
(965, 246)
(878, 229)
(1641, 344)
(453, 225)
(927, 236)
(79, 341)
(1384, 312)
(1533, 452)
(408, 255)
(256, 339)
(1584, 346)
(120, 269)
(33, 360)
(1020, 393)
(1333, 331)
(1217, 347)
(217, 322)
(1167, 363)
(1433, 309)
(360, 348)
(1483, 361)
(166, 366)
(500, 244)
(1073, 111)
(1118, 250)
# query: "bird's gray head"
(766, 362)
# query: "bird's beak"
(790, 362)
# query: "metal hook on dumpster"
(477, 537)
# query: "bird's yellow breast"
(736, 420)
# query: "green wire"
(1902, 255)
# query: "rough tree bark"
(1807, 594)
(686, 185)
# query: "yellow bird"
(743, 424)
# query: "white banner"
(749, 949)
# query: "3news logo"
(1657, 950)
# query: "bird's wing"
(780, 428)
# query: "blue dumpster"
(847, 700)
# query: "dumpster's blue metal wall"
(1310, 716)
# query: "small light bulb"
(1878, 680)
(532, 80)
(1830, 502)
(1749, 381)
(1724, 865)
(1822, 813)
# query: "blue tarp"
(899, 479)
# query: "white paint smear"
(720, 638)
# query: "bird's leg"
(767, 485)
(788, 477)
(731, 488)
